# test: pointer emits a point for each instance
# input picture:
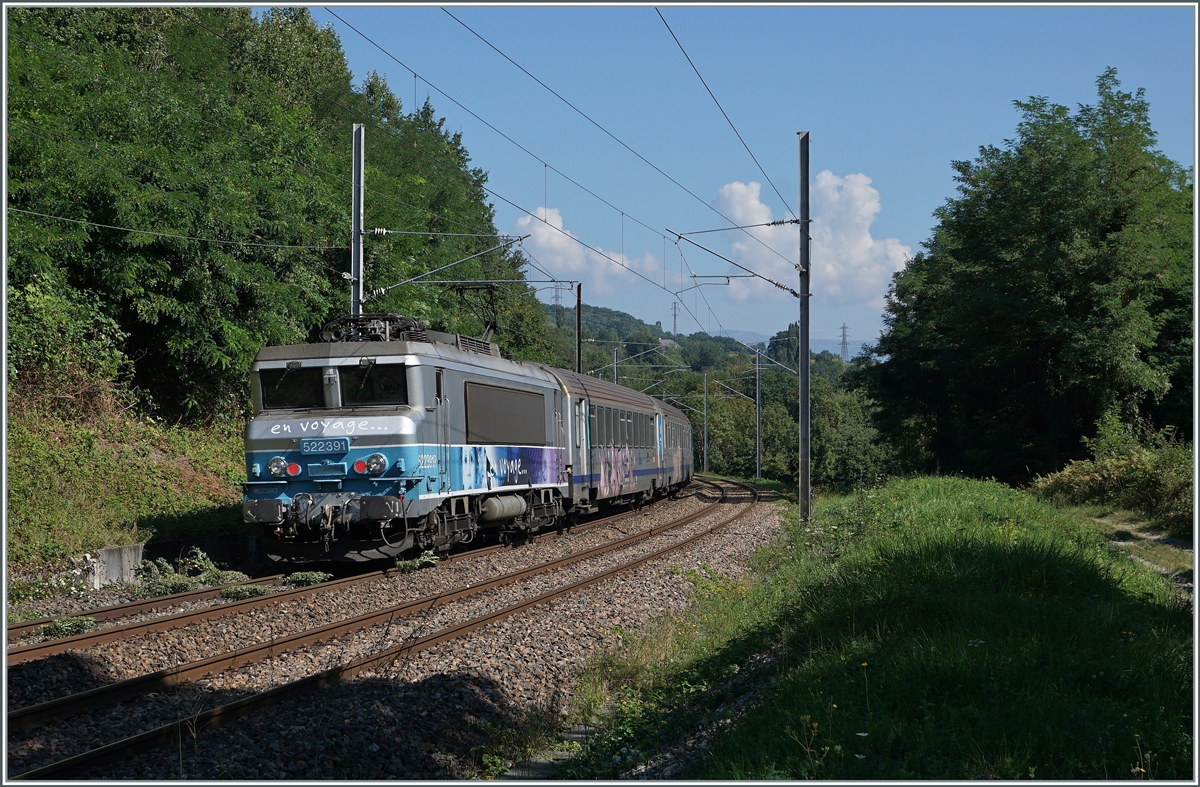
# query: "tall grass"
(1131, 468)
(75, 485)
(934, 628)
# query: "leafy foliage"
(162, 578)
(1150, 473)
(221, 140)
(426, 559)
(242, 592)
(306, 578)
(67, 627)
(1056, 285)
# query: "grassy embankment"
(76, 484)
(934, 628)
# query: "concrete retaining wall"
(118, 564)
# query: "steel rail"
(61, 707)
(174, 731)
(38, 650)
(129, 608)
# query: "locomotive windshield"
(374, 384)
(291, 389)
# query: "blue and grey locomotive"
(389, 437)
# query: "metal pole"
(579, 328)
(706, 422)
(356, 222)
(805, 469)
(614, 364)
(757, 416)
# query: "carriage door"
(442, 410)
(661, 452)
(580, 454)
(560, 437)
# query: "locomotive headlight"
(373, 464)
(277, 466)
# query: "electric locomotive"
(389, 437)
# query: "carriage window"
(374, 384)
(610, 436)
(292, 389)
(593, 435)
(500, 416)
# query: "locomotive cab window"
(292, 389)
(374, 384)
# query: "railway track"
(63, 707)
(18, 653)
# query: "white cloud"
(849, 266)
(602, 272)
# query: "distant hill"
(598, 318)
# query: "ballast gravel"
(77, 670)
(428, 716)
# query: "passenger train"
(388, 437)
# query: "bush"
(160, 578)
(1132, 468)
(68, 627)
(425, 560)
(306, 578)
(240, 592)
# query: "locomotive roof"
(595, 389)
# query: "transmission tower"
(845, 345)
(674, 317)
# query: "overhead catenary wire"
(261, 242)
(724, 113)
(724, 330)
(171, 234)
(307, 166)
(757, 275)
(778, 223)
(314, 168)
(526, 211)
(336, 103)
(524, 149)
(616, 139)
(465, 109)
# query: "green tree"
(112, 126)
(1056, 284)
(223, 140)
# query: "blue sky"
(890, 95)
